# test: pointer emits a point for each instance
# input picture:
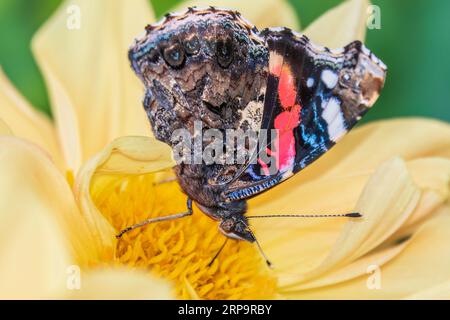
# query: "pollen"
(180, 250)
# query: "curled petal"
(432, 175)
(269, 13)
(124, 156)
(118, 284)
(296, 246)
(340, 25)
(82, 52)
(135, 155)
(386, 202)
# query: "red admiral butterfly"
(213, 66)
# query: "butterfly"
(214, 68)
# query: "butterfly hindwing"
(314, 96)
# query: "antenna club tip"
(354, 215)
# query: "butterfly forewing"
(314, 96)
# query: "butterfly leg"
(158, 219)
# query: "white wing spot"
(329, 78)
(310, 82)
(332, 114)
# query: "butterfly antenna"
(218, 252)
(269, 264)
(339, 215)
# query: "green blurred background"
(414, 41)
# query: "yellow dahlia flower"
(67, 187)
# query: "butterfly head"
(236, 227)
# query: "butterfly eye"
(227, 225)
(174, 55)
(192, 45)
(224, 51)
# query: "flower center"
(180, 250)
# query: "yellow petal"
(41, 230)
(381, 202)
(66, 122)
(25, 121)
(432, 175)
(443, 153)
(115, 284)
(269, 13)
(124, 156)
(4, 129)
(28, 172)
(95, 95)
(34, 255)
(340, 25)
(347, 272)
(44, 240)
(422, 266)
(438, 292)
